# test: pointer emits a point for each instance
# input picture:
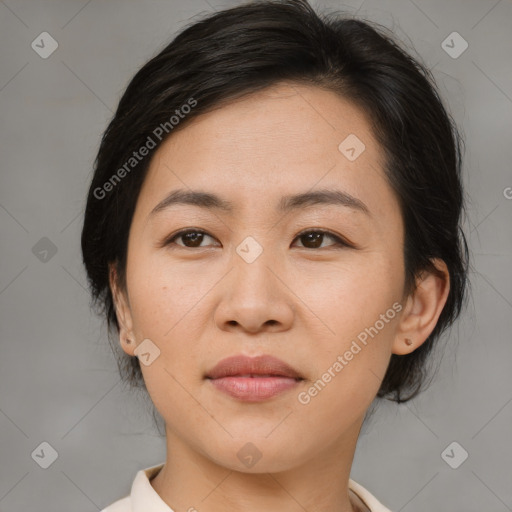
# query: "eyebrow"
(287, 203)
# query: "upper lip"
(245, 365)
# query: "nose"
(254, 297)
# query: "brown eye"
(191, 238)
(313, 239)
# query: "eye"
(313, 239)
(191, 238)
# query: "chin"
(257, 454)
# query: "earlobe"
(123, 313)
(423, 308)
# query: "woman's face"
(259, 279)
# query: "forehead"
(283, 140)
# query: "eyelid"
(340, 241)
(168, 240)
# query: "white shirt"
(143, 498)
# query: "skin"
(300, 302)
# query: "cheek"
(163, 296)
(351, 363)
(165, 304)
(359, 310)
(350, 295)
(168, 307)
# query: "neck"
(190, 481)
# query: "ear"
(123, 312)
(422, 309)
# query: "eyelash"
(339, 241)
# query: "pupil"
(315, 238)
(194, 237)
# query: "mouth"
(253, 379)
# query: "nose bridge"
(252, 259)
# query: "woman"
(273, 230)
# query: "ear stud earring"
(408, 342)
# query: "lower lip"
(254, 389)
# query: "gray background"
(58, 379)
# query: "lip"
(253, 379)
